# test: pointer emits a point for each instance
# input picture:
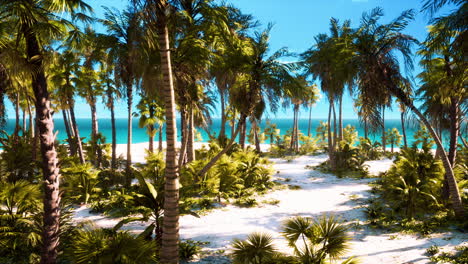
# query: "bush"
(313, 241)
(81, 182)
(413, 183)
(189, 249)
(15, 159)
(246, 202)
(107, 246)
(256, 249)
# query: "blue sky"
(296, 22)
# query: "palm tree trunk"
(233, 128)
(331, 155)
(291, 143)
(129, 133)
(17, 116)
(296, 130)
(335, 134)
(340, 117)
(222, 131)
(35, 142)
(213, 161)
(366, 131)
(69, 135)
(50, 169)
(191, 138)
(114, 134)
(454, 130)
(160, 145)
(151, 138)
(310, 122)
(183, 147)
(94, 133)
(257, 141)
(170, 238)
(31, 122)
(403, 129)
(243, 131)
(76, 131)
(24, 123)
(452, 183)
(384, 142)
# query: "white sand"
(319, 194)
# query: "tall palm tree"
(35, 21)
(125, 32)
(319, 62)
(259, 80)
(111, 94)
(300, 92)
(63, 76)
(224, 67)
(156, 16)
(379, 73)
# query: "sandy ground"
(320, 193)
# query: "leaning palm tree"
(379, 73)
(37, 24)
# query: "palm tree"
(300, 92)
(319, 62)
(224, 65)
(443, 88)
(124, 31)
(271, 131)
(394, 137)
(368, 113)
(150, 113)
(260, 80)
(379, 73)
(155, 13)
(111, 93)
(33, 20)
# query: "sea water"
(283, 124)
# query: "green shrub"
(189, 249)
(15, 159)
(81, 182)
(246, 202)
(432, 250)
(314, 241)
(256, 249)
(107, 246)
(412, 184)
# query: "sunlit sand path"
(319, 193)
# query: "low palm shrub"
(258, 248)
(81, 182)
(313, 241)
(92, 245)
(15, 159)
(412, 185)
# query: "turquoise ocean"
(139, 134)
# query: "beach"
(319, 193)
